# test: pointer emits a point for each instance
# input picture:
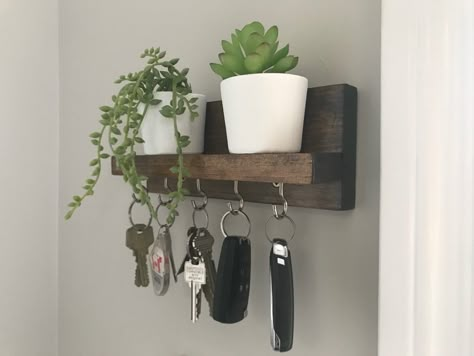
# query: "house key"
(202, 243)
(139, 238)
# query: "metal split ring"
(293, 225)
(130, 218)
(235, 212)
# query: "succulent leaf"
(272, 34)
(255, 39)
(258, 27)
(221, 71)
(264, 49)
(281, 53)
(232, 63)
(237, 46)
(227, 47)
(285, 64)
(254, 63)
(245, 33)
(273, 48)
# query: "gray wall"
(335, 254)
(29, 144)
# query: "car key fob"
(282, 298)
(233, 281)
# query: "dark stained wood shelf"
(322, 176)
(293, 168)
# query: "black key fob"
(233, 281)
(282, 298)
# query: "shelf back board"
(322, 176)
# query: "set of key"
(199, 269)
(226, 290)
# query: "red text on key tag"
(157, 260)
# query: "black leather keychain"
(233, 273)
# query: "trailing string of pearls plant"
(120, 127)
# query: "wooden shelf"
(292, 168)
(321, 176)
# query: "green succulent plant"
(253, 50)
(120, 125)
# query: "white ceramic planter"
(158, 131)
(264, 112)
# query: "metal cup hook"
(239, 196)
(203, 194)
(168, 190)
(281, 193)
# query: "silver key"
(195, 276)
(202, 243)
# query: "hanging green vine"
(120, 127)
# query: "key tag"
(160, 256)
(233, 273)
(281, 286)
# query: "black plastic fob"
(233, 281)
(282, 297)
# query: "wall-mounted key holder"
(321, 176)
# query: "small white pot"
(264, 112)
(158, 131)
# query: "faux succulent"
(253, 50)
(120, 127)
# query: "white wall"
(335, 253)
(29, 177)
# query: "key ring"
(190, 248)
(293, 225)
(130, 218)
(235, 212)
(203, 210)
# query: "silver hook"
(239, 196)
(281, 193)
(203, 194)
(168, 190)
(165, 184)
